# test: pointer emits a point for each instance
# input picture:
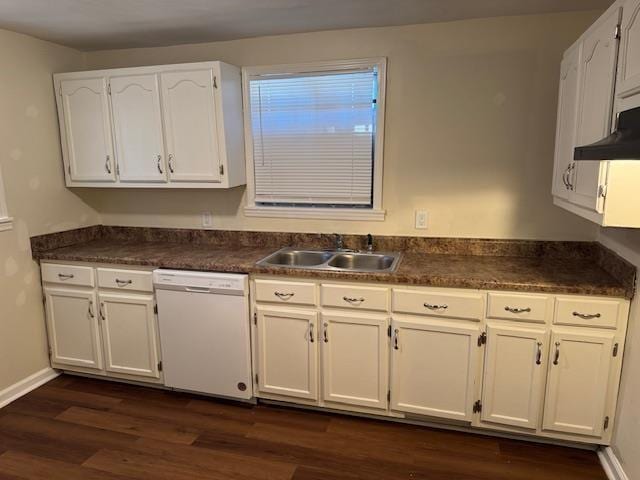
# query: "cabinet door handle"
(395, 339)
(326, 335)
(65, 276)
(571, 169)
(311, 338)
(539, 354)
(517, 310)
(284, 295)
(170, 161)
(101, 311)
(565, 177)
(159, 160)
(107, 164)
(91, 314)
(353, 301)
(432, 306)
(556, 357)
(586, 316)
(123, 283)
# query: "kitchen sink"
(343, 261)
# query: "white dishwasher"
(205, 332)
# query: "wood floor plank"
(130, 425)
(25, 466)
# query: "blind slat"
(313, 137)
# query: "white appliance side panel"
(205, 342)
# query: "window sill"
(6, 224)
(318, 213)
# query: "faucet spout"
(339, 242)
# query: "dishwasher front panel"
(205, 342)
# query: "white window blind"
(313, 137)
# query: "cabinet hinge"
(615, 350)
(606, 422)
(117, 168)
(388, 395)
(155, 309)
(477, 407)
(60, 89)
(255, 318)
(616, 32)
(257, 382)
(215, 82)
(160, 366)
(69, 169)
(50, 352)
(602, 191)
(221, 169)
(482, 339)
(389, 331)
(109, 88)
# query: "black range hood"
(623, 144)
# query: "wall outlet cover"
(207, 220)
(421, 219)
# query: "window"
(5, 220)
(314, 139)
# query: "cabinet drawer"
(349, 296)
(523, 307)
(125, 279)
(293, 293)
(468, 306)
(584, 312)
(68, 275)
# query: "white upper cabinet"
(598, 66)
(137, 124)
(629, 65)
(191, 125)
(566, 127)
(174, 126)
(86, 129)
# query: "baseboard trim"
(611, 464)
(24, 386)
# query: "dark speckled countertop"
(560, 267)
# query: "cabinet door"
(629, 61)
(137, 122)
(566, 127)
(434, 367)
(514, 374)
(288, 352)
(577, 382)
(87, 130)
(598, 66)
(191, 126)
(355, 359)
(73, 329)
(129, 332)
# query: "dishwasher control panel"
(173, 279)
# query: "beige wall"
(37, 199)
(471, 113)
(625, 438)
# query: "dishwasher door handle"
(197, 290)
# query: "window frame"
(6, 222)
(376, 213)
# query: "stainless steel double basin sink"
(339, 261)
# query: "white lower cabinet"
(578, 381)
(72, 324)
(355, 359)
(514, 375)
(287, 349)
(434, 367)
(129, 334)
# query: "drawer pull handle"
(539, 354)
(557, 355)
(284, 296)
(432, 306)
(353, 301)
(65, 276)
(91, 314)
(107, 164)
(395, 339)
(311, 339)
(123, 283)
(517, 310)
(586, 316)
(326, 335)
(170, 158)
(159, 161)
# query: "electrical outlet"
(421, 219)
(207, 220)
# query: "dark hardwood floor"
(75, 428)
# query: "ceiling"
(106, 24)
